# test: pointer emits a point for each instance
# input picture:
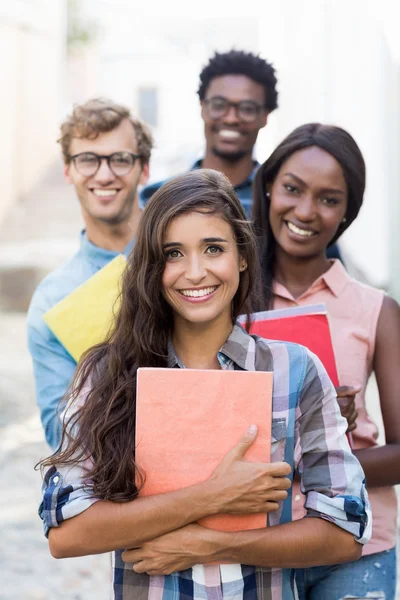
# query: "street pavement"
(27, 570)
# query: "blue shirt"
(53, 366)
(244, 190)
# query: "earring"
(344, 220)
(268, 195)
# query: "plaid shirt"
(307, 431)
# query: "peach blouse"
(353, 309)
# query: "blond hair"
(101, 115)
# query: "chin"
(233, 155)
(110, 219)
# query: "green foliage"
(80, 32)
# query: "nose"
(104, 174)
(195, 270)
(305, 208)
(231, 117)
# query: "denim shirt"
(53, 366)
(244, 190)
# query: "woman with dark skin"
(306, 195)
(194, 269)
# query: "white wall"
(335, 66)
(335, 62)
(32, 46)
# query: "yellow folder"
(84, 317)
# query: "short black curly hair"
(238, 62)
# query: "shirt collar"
(100, 257)
(335, 279)
(239, 348)
(247, 182)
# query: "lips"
(229, 134)
(199, 292)
(225, 134)
(105, 193)
(304, 232)
(199, 295)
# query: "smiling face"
(104, 196)
(202, 269)
(228, 136)
(308, 202)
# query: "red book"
(306, 325)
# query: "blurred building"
(32, 47)
(337, 63)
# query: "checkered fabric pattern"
(307, 431)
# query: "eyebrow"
(210, 240)
(334, 190)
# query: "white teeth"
(104, 193)
(198, 293)
(303, 232)
(228, 133)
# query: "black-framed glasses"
(120, 163)
(246, 110)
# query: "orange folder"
(188, 419)
(306, 325)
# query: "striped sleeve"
(332, 479)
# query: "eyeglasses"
(120, 163)
(246, 110)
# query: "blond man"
(106, 155)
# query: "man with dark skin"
(237, 92)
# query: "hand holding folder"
(306, 325)
(186, 422)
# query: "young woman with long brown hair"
(307, 193)
(193, 271)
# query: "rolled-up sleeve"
(66, 489)
(332, 478)
(65, 495)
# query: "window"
(148, 105)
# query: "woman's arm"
(382, 464)
(86, 526)
(338, 518)
(305, 543)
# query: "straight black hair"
(334, 140)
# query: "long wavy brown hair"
(101, 428)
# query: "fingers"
(279, 469)
(347, 390)
(271, 506)
(244, 444)
(131, 555)
(277, 496)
